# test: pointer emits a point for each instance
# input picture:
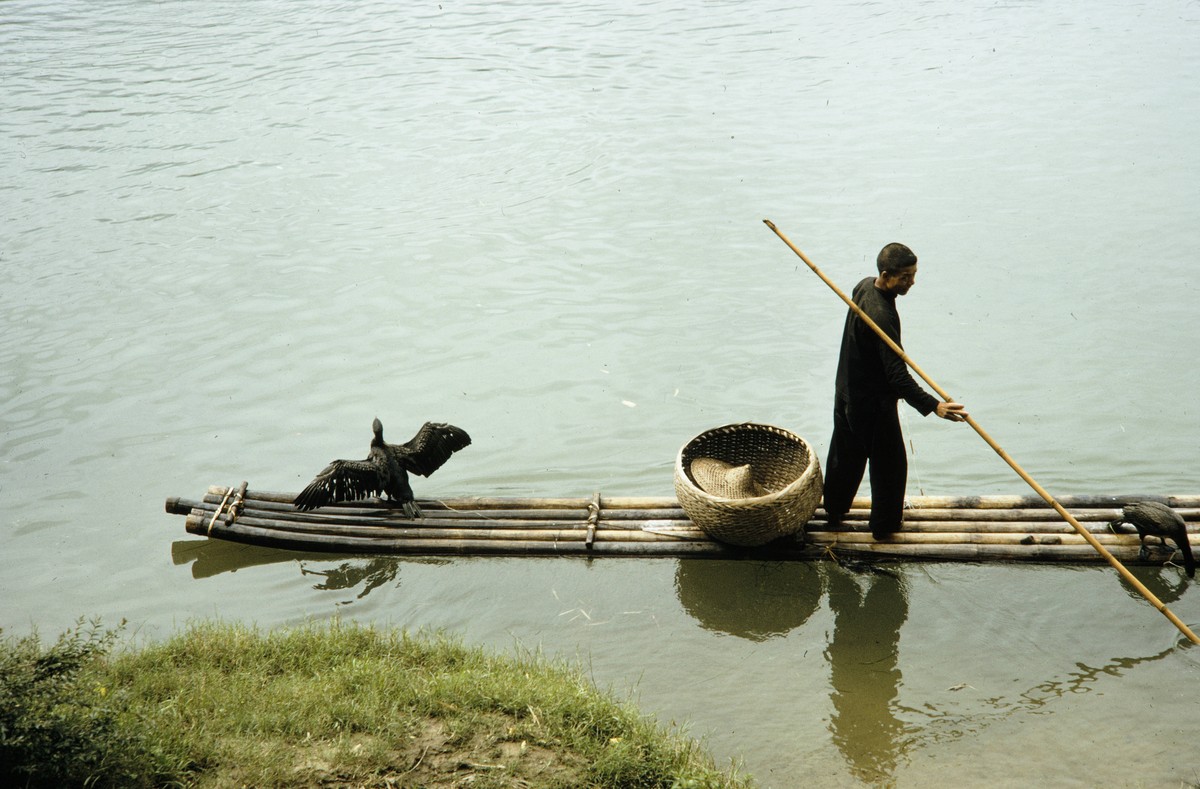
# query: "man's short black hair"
(895, 256)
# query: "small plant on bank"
(61, 723)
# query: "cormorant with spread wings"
(385, 469)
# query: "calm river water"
(234, 233)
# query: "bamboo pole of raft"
(483, 502)
(620, 504)
(1104, 552)
(917, 521)
(245, 530)
(257, 535)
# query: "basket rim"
(749, 501)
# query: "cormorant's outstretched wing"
(341, 480)
(432, 446)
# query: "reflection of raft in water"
(972, 528)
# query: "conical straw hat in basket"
(748, 484)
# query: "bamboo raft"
(936, 528)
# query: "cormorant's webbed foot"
(412, 510)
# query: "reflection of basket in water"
(780, 463)
(751, 600)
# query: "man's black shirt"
(868, 370)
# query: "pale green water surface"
(234, 233)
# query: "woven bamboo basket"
(780, 462)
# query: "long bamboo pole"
(1104, 552)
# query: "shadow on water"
(1166, 583)
(369, 573)
(869, 609)
(213, 557)
(751, 600)
(758, 601)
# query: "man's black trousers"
(867, 432)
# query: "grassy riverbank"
(343, 705)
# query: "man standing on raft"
(871, 378)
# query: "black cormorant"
(385, 469)
(1151, 518)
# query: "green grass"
(340, 705)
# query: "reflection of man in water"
(863, 657)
